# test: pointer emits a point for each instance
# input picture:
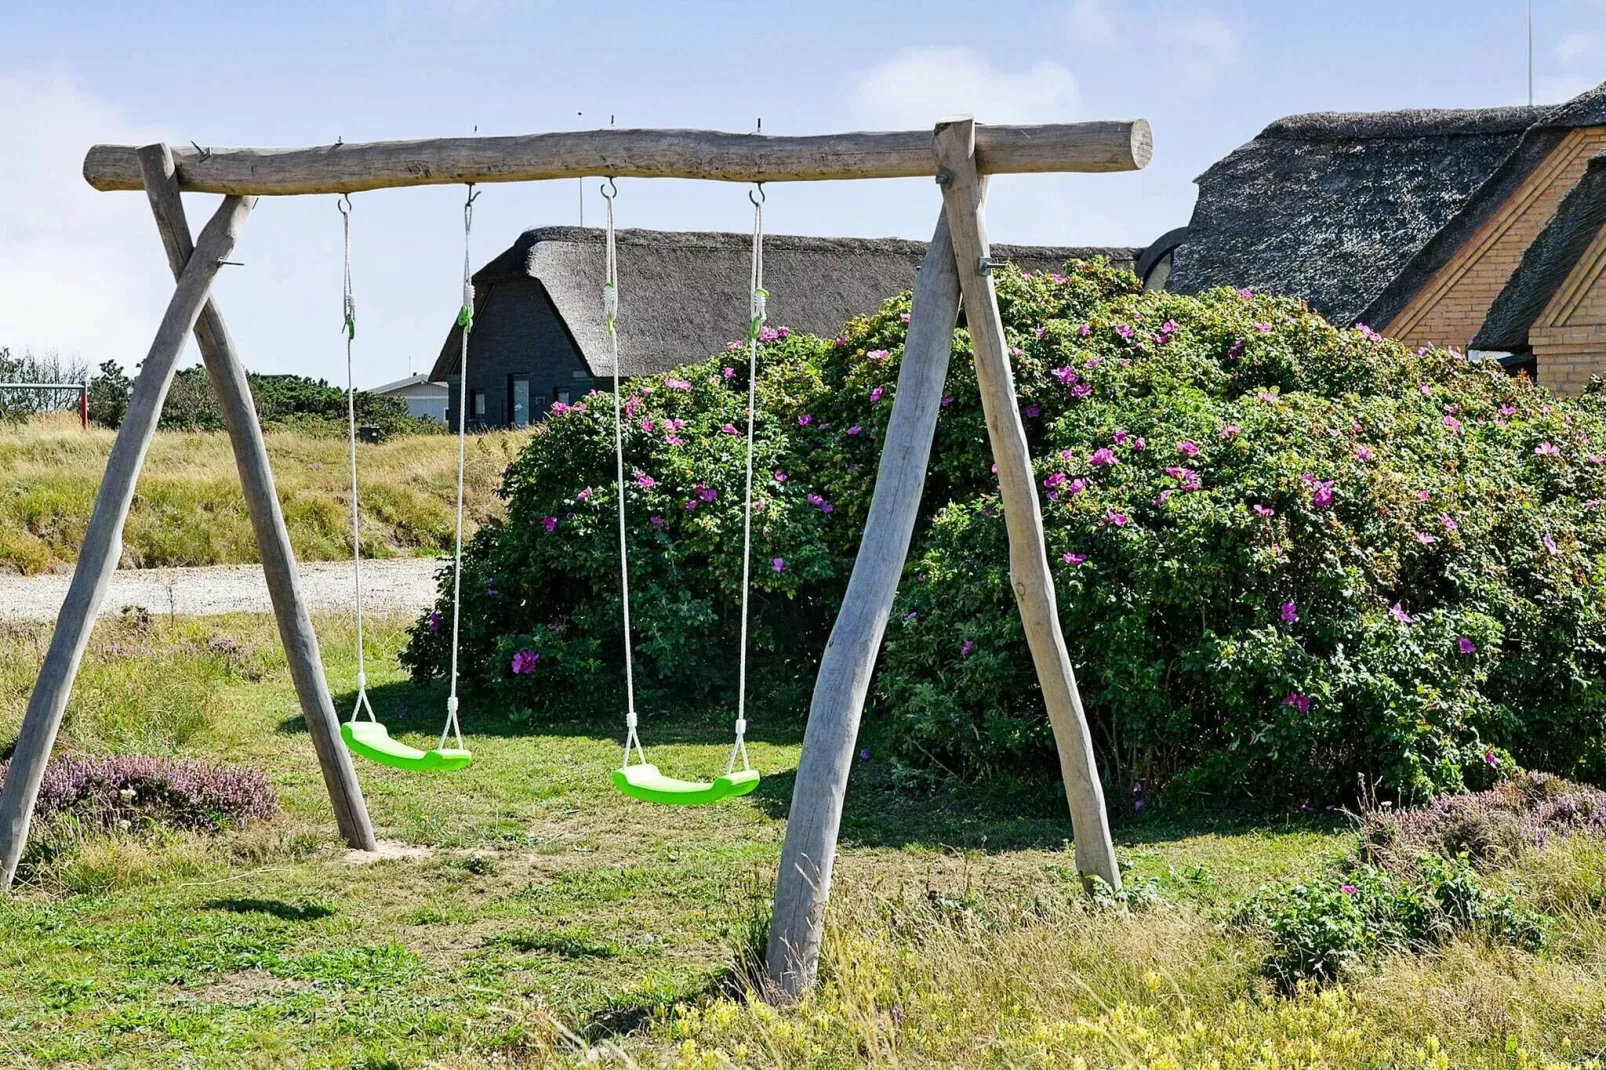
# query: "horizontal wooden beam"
(705, 154)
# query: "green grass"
(541, 915)
(190, 510)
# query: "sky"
(82, 273)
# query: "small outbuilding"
(538, 332)
(424, 399)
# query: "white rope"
(465, 317)
(610, 313)
(755, 326)
(349, 309)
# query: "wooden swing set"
(955, 273)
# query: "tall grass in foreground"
(939, 980)
(190, 511)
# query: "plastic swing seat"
(643, 781)
(373, 741)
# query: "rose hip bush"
(1287, 554)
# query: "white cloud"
(1196, 44)
(918, 86)
(81, 272)
(1088, 23)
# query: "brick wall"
(1569, 337)
(1451, 307)
(517, 332)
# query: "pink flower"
(1466, 646)
(1298, 701)
(647, 425)
(1102, 457)
(1073, 559)
(1066, 375)
(1188, 447)
(1246, 293)
(644, 481)
(434, 622)
(549, 522)
(1424, 538)
(1595, 459)
(1032, 411)
(1236, 350)
(1231, 431)
(1398, 613)
(677, 384)
(1067, 456)
(966, 648)
(821, 504)
(1290, 612)
(1452, 423)
(1264, 511)
(1423, 495)
(805, 420)
(1165, 496)
(558, 408)
(903, 317)
(1039, 332)
(1016, 351)
(855, 429)
(1076, 486)
(780, 476)
(674, 440)
(1055, 480)
(707, 494)
(524, 662)
(769, 334)
(1367, 333)
(1124, 331)
(1263, 328)
(947, 400)
(1448, 521)
(1322, 494)
(656, 521)
(1120, 520)
(1348, 889)
(1085, 329)
(1139, 445)
(1363, 453)
(878, 354)
(1490, 758)
(1546, 449)
(1119, 436)
(1267, 396)
(1550, 544)
(778, 564)
(875, 395)
(728, 372)
(1508, 411)
(729, 429)
(1081, 390)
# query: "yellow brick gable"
(1450, 308)
(1569, 337)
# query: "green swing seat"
(371, 740)
(643, 781)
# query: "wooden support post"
(955, 147)
(804, 883)
(233, 390)
(103, 540)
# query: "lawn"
(190, 511)
(530, 915)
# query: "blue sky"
(82, 272)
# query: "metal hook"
(759, 186)
(206, 154)
(344, 204)
(610, 189)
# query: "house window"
(519, 401)
(476, 405)
(561, 395)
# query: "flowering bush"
(1286, 553)
(1321, 929)
(119, 791)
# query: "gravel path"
(394, 586)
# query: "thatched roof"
(1547, 263)
(684, 295)
(1332, 206)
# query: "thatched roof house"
(1410, 221)
(538, 333)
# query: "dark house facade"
(538, 334)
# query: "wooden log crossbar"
(1123, 145)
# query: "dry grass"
(189, 509)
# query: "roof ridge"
(1403, 123)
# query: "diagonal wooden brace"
(227, 374)
(955, 145)
(103, 540)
